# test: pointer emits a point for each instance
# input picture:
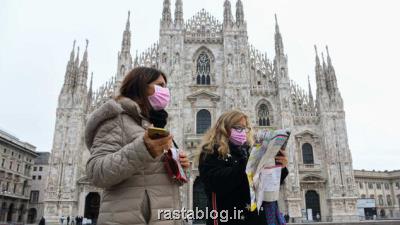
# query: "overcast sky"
(363, 37)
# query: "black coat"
(42, 221)
(226, 186)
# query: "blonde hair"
(218, 134)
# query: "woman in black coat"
(222, 165)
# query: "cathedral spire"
(83, 68)
(331, 69)
(68, 79)
(310, 95)
(77, 58)
(85, 54)
(166, 14)
(239, 13)
(179, 12)
(90, 92)
(330, 72)
(278, 40)
(126, 39)
(124, 56)
(75, 70)
(136, 62)
(228, 21)
(323, 63)
(316, 56)
(319, 76)
(72, 56)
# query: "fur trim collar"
(112, 108)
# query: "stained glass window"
(203, 69)
(263, 115)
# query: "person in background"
(287, 217)
(124, 160)
(42, 221)
(222, 163)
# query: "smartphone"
(155, 132)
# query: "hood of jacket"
(109, 110)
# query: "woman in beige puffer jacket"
(124, 161)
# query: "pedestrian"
(124, 160)
(68, 219)
(42, 221)
(222, 164)
(62, 220)
(287, 217)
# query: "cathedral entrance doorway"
(92, 206)
(32, 215)
(313, 203)
(10, 212)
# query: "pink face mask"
(160, 99)
(238, 138)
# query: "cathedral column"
(81, 204)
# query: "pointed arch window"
(203, 69)
(203, 121)
(308, 156)
(263, 115)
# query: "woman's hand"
(156, 147)
(283, 159)
(183, 159)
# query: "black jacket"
(227, 187)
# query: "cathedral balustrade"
(310, 167)
(261, 90)
(258, 128)
(197, 87)
(306, 118)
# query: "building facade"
(383, 187)
(39, 182)
(211, 68)
(17, 159)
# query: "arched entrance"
(92, 206)
(312, 202)
(199, 198)
(21, 212)
(10, 212)
(32, 214)
(3, 211)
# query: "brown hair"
(134, 86)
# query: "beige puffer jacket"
(136, 185)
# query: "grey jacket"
(136, 185)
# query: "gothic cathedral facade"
(212, 68)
